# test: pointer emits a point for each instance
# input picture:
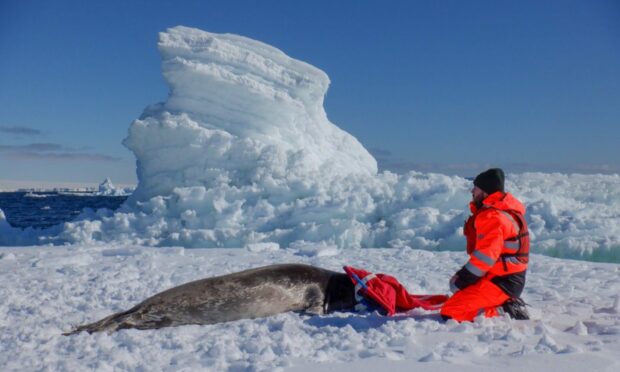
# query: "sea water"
(45, 209)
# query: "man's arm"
(489, 243)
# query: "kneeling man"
(492, 280)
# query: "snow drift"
(242, 154)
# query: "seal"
(254, 293)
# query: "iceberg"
(107, 188)
(239, 112)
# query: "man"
(492, 280)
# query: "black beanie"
(491, 180)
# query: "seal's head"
(340, 294)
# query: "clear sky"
(448, 86)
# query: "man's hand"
(462, 279)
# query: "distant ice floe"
(106, 188)
(33, 195)
(242, 154)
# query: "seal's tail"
(110, 323)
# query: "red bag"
(387, 292)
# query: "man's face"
(477, 195)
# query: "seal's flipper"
(110, 323)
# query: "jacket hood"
(503, 201)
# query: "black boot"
(515, 307)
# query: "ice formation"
(242, 155)
(239, 113)
(107, 188)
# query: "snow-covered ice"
(575, 313)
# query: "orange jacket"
(493, 224)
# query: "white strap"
(358, 286)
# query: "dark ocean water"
(45, 209)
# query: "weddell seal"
(248, 294)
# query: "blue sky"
(448, 86)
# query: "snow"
(575, 314)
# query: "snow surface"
(575, 312)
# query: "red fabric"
(392, 296)
(482, 297)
